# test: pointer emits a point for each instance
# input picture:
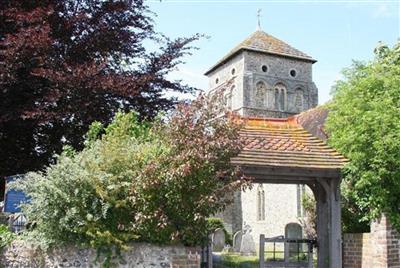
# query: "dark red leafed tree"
(66, 63)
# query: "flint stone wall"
(140, 255)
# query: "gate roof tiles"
(284, 143)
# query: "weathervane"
(259, 19)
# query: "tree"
(65, 64)
(154, 182)
(364, 125)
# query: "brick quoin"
(378, 249)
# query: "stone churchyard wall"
(378, 249)
(140, 255)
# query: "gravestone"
(247, 247)
(237, 241)
(293, 231)
(218, 240)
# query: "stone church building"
(263, 77)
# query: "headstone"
(247, 247)
(237, 241)
(218, 240)
(293, 231)
(227, 249)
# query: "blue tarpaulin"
(13, 198)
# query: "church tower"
(264, 77)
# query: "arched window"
(276, 99)
(299, 100)
(228, 98)
(260, 203)
(301, 191)
(261, 94)
(280, 97)
(221, 97)
(270, 98)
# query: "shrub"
(309, 222)
(350, 216)
(139, 181)
(216, 223)
(6, 236)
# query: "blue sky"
(333, 32)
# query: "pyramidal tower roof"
(260, 41)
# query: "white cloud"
(379, 10)
(384, 11)
(191, 77)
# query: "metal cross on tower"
(259, 19)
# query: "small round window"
(233, 71)
(293, 73)
(216, 81)
(264, 68)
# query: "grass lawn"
(233, 260)
(237, 261)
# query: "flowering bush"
(139, 181)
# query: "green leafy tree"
(153, 182)
(364, 125)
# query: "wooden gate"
(280, 252)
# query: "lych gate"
(282, 151)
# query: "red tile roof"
(313, 120)
(262, 42)
(284, 143)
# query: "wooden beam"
(251, 170)
(323, 227)
(262, 251)
(281, 179)
(335, 224)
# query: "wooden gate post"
(335, 224)
(328, 223)
(209, 252)
(261, 253)
(310, 255)
(322, 226)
